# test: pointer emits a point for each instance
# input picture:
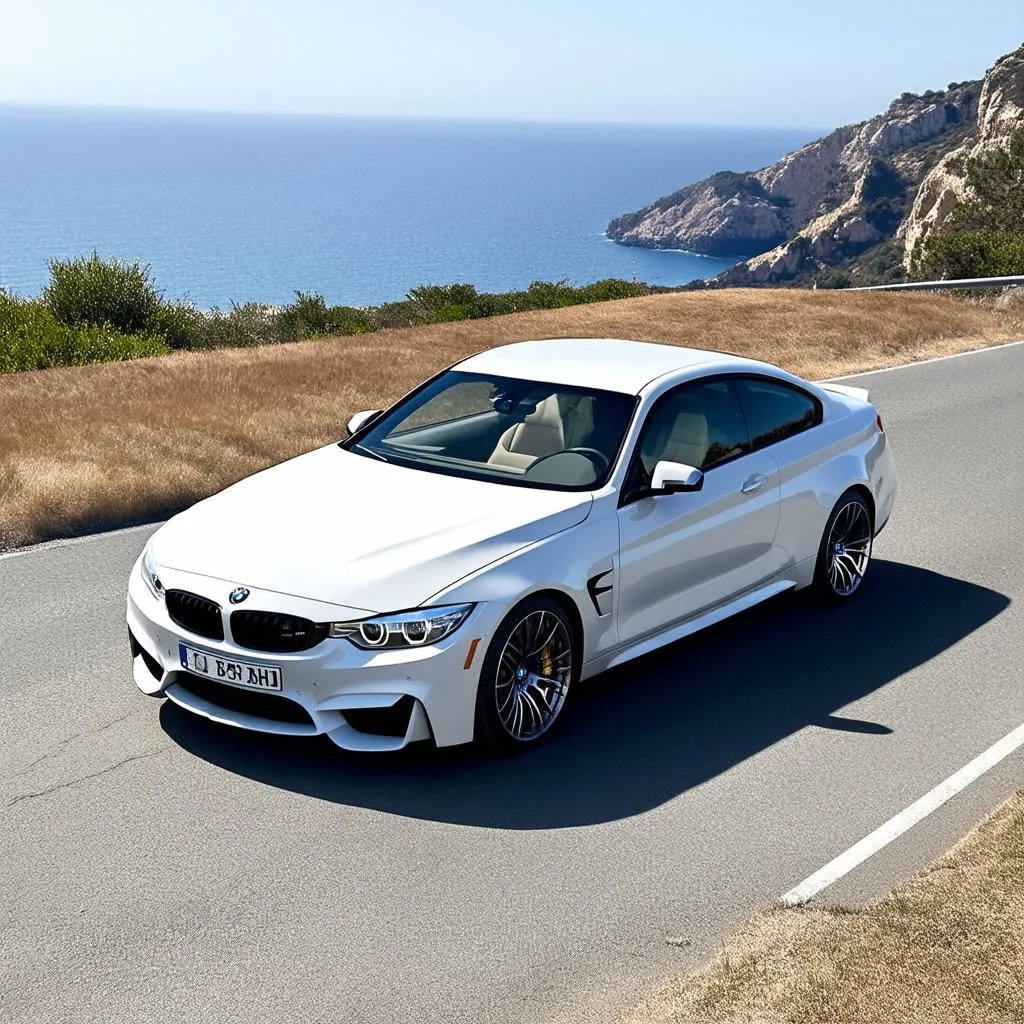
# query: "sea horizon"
(236, 207)
(814, 131)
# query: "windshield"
(502, 429)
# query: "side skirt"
(678, 631)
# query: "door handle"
(754, 483)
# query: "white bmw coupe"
(520, 522)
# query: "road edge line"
(65, 542)
(904, 820)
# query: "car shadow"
(641, 734)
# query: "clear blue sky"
(731, 62)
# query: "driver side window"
(699, 424)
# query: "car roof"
(608, 364)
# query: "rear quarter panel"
(817, 466)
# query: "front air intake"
(392, 721)
(248, 702)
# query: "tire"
(844, 554)
(515, 704)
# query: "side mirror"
(672, 477)
(360, 420)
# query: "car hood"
(349, 530)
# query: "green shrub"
(547, 295)
(881, 264)
(885, 215)
(244, 326)
(399, 314)
(443, 303)
(611, 288)
(306, 317)
(952, 255)
(439, 296)
(309, 316)
(181, 325)
(496, 304)
(995, 182)
(96, 310)
(32, 338)
(350, 320)
(447, 302)
(984, 236)
(89, 290)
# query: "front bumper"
(361, 700)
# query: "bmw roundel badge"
(238, 595)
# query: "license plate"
(226, 670)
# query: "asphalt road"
(156, 867)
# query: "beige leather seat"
(688, 441)
(558, 422)
(685, 441)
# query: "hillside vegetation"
(95, 311)
(100, 446)
(984, 234)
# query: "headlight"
(403, 629)
(149, 574)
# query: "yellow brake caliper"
(547, 663)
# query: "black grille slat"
(197, 614)
(275, 631)
(247, 702)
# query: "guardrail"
(966, 282)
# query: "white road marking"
(906, 819)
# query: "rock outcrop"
(1000, 115)
(880, 184)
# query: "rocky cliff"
(856, 199)
(1000, 115)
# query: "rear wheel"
(845, 551)
(525, 677)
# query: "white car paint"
(680, 554)
(357, 532)
(334, 536)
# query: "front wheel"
(525, 677)
(845, 550)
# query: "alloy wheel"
(533, 675)
(849, 548)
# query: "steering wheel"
(600, 460)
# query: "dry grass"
(946, 947)
(97, 446)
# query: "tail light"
(878, 420)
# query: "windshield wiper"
(370, 451)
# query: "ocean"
(232, 208)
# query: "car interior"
(563, 436)
(559, 422)
(546, 435)
(700, 425)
